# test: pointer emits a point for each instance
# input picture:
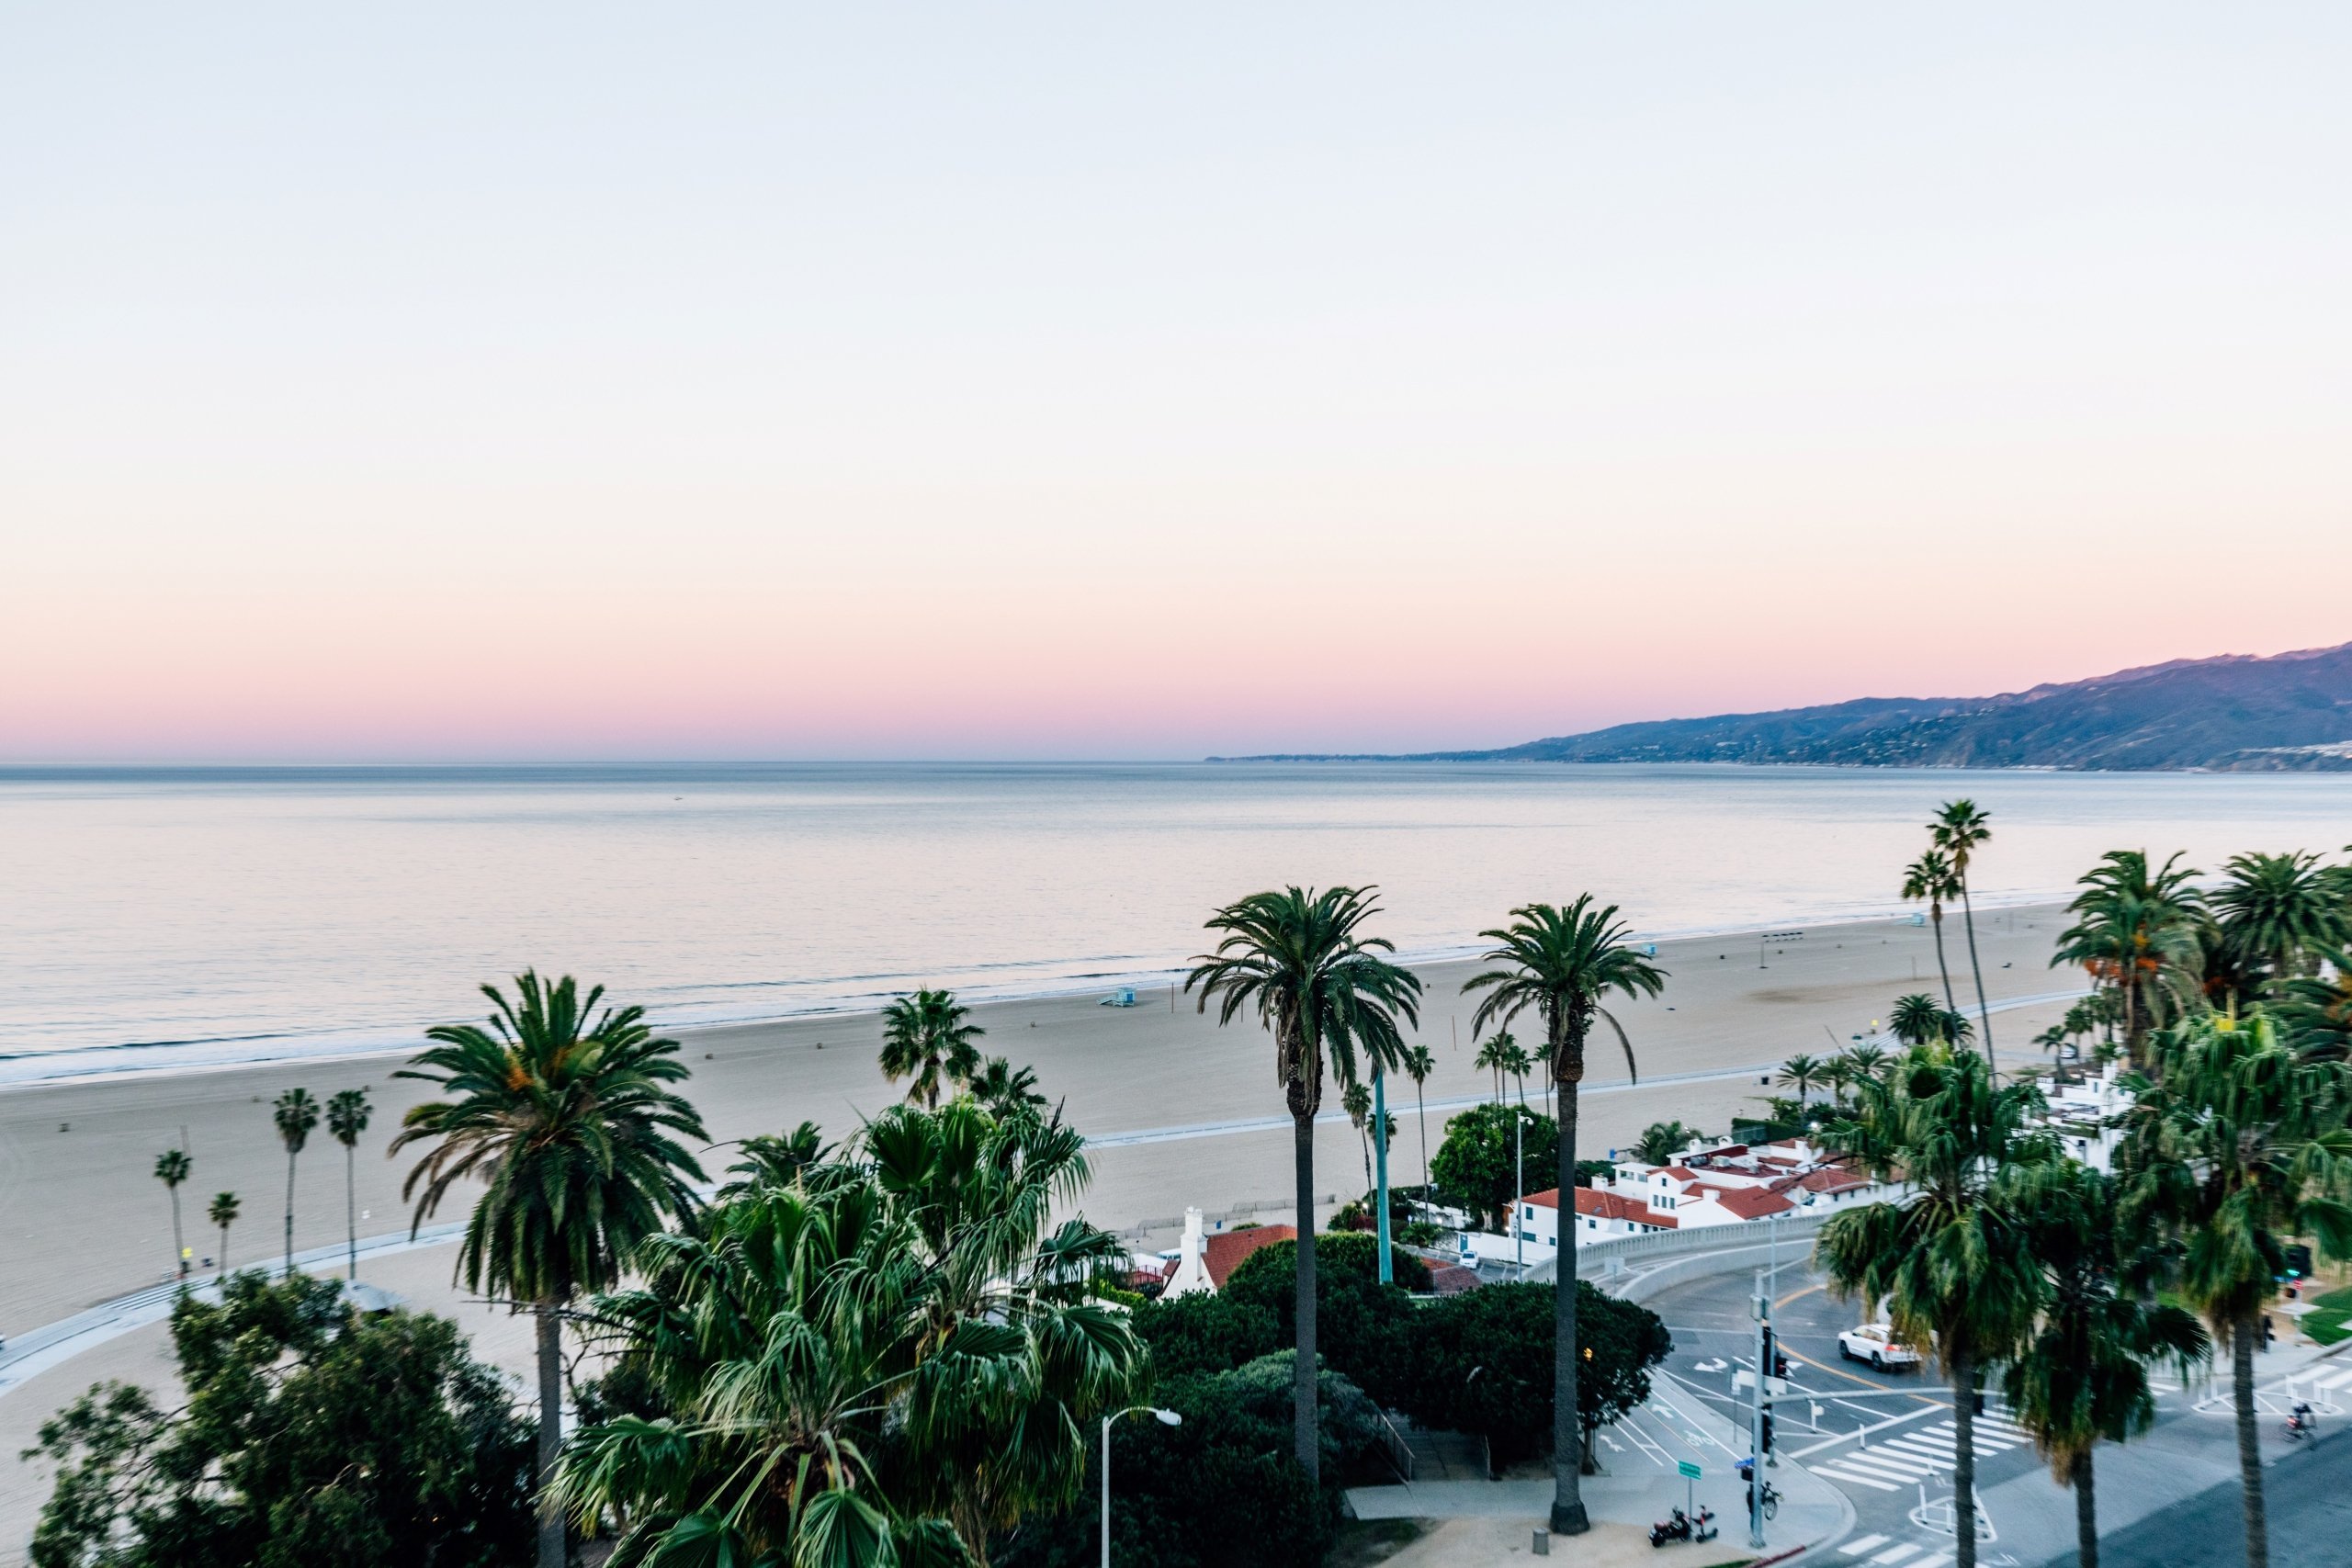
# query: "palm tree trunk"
(1307, 1440)
(1983, 1012)
(1569, 1515)
(223, 1274)
(1963, 1459)
(289, 1214)
(2257, 1522)
(179, 1247)
(1936, 923)
(351, 1210)
(550, 1326)
(2086, 1513)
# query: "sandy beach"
(86, 1220)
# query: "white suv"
(1876, 1343)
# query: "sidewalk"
(1642, 1486)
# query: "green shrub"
(1207, 1333)
(1486, 1148)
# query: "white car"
(1876, 1343)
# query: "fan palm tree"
(1356, 1101)
(171, 1169)
(2279, 912)
(296, 1113)
(1564, 963)
(1300, 961)
(1801, 1072)
(2317, 1014)
(1931, 877)
(223, 1214)
(347, 1112)
(2135, 934)
(2083, 1374)
(1948, 1259)
(567, 1115)
(1958, 828)
(1003, 1089)
(928, 1037)
(2236, 1146)
(1419, 1064)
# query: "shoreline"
(331, 1050)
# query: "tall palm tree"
(1356, 1101)
(1419, 1064)
(2280, 913)
(1932, 879)
(928, 1036)
(296, 1113)
(566, 1114)
(223, 1214)
(171, 1169)
(1838, 1073)
(2135, 934)
(348, 1114)
(1948, 1258)
(1495, 1057)
(1564, 963)
(2237, 1146)
(1958, 828)
(1801, 1072)
(2083, 1374)
(1299, 960)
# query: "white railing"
(1795, 1233)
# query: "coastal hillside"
(2237, 713)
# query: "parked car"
(1876, 1343)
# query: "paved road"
(2309, 1497)
(1886, 1439)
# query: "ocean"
(162, 918)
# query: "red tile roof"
(1452, 1279)
(1682, 1173)
(1748, 1202)
(1617, 1206)
(1830, 1178)
(1226, 1249)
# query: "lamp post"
(1380, 1183)
(1167, 1418)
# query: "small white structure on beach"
(1190, 1277)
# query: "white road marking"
(1834, 1473)
(1856, 1548)
(1896, 1553)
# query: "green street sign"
(1689, 1472)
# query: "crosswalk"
(1901, 1554)
(1894, 1463)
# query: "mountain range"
(2287, 712)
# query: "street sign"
(1689, 1472)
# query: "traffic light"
(1767, 1431)
(2299, 1260)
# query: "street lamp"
(1167, 1418)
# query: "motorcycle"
(2301, 1424)
(1678, 1526)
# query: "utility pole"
(1379, 1181)
(1519, 1164)
(1763, 1311)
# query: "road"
(1886, 1438)
(2309, 1496)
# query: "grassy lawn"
(2332, 1322)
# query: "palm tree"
(2279, 912)
(223, 1214)
(1564, 963)
(1003, 1089)
(1948, 1258)
(171, 1169)
(2317, 1014)
(1356, 1101)
(2082, 1375)
(1419, 1064)
(2236, 1146)
(346, 1119)
(1801, 1072)
(567, 1119)
(1298, 959)
(1917, 1019)
(296, 1115)
(1838, 1073)
(776, 1160)
(1867, 1062)
(1958, 828)
(1661, 1141)
(929, 1036)
(1495, 1057)
(2135, 934)
(1931, 877)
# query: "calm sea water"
(162, 918)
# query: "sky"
(1081, 381)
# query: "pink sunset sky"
(886, 382)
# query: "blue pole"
(1380, 1178)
